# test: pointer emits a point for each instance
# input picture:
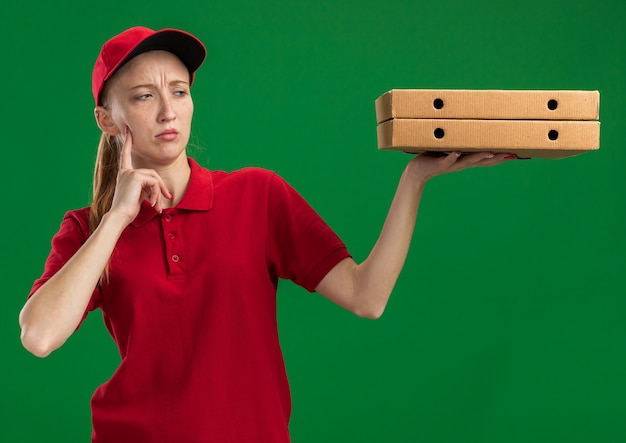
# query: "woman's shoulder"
(253, 181)
(251, 175)
(248, 172)
(78, 216)
(81, 214)
(74, 225)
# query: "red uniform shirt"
(191, 305)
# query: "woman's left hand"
(426, 166)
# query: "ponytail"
(104, 180)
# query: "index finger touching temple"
(127, 160)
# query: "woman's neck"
(176, 178)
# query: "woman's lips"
(168, 135)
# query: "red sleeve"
(73, 232)
(301, 246)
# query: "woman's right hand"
(135, 185)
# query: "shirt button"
(168, 217)
(172, 236)
(175, 258)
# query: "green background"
(508, 321)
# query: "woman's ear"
(104, 121)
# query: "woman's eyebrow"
(152, 85)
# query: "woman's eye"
(143, 96)
(180, 93)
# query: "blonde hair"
(104, 178)
(104, 181)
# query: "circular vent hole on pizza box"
(552, 104)
(439, 133)
(553, 134)
(438, 103)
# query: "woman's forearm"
(365, 288)
(375, 278)
(55, 310)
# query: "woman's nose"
(166, 112)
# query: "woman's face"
(150, 95)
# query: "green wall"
(507, 323)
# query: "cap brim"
(185, 46)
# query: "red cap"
(134, 41)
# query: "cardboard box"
(526, 138)
(488, 104)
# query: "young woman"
(184, 262)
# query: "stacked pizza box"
(541, 124)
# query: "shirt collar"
(198, 196)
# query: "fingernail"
(171, 196)
(126, 129)
(458, 154)
(508, 157)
